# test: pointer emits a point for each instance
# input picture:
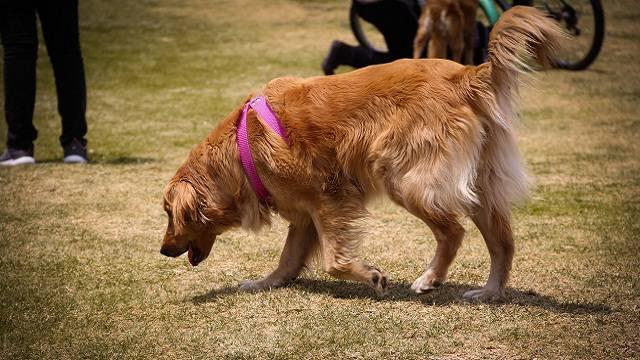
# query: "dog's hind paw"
(253, 285)
(426, 282)
(484, 294)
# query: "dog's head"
(196, 216)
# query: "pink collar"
(260, 106)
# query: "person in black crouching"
(397, 20)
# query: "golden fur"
(447, 24)
(435, 136)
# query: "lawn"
(81, 275)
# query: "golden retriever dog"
(436, 137)
(447, 24)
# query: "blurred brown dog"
(447, 24)
(435, 136)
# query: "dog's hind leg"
(448, 233)
(449, 237)
(446, 228)
(339, 237)
(496, 231)
(301, 241)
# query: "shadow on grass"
(103, 160)
(215, 294)
(448, 294)
(122, 160)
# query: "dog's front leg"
(301, 241)
(339, 238)
(456, 43)
(422, 37)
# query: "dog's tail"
(521, 36)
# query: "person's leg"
(59, 21)
(355, 56)
(397, 20)
(20, 43)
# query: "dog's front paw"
(483, 295)
(253, 285)
(379, 281)
(427, 282)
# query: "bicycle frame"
(491, 10)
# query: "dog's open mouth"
(194, 256)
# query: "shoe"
(332, 61)
(12, 157)
(75, 153)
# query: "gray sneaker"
(75, 153)
(13, 157)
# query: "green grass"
(80, 271)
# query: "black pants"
(59, 20)
(397, 21)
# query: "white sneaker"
(75, 153)
(13, 157)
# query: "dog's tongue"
(190, 255)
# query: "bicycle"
(583, 19)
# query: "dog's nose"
(166, 252)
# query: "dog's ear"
(184, 205)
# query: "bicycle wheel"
(584, 21)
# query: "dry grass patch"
(81, 276)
